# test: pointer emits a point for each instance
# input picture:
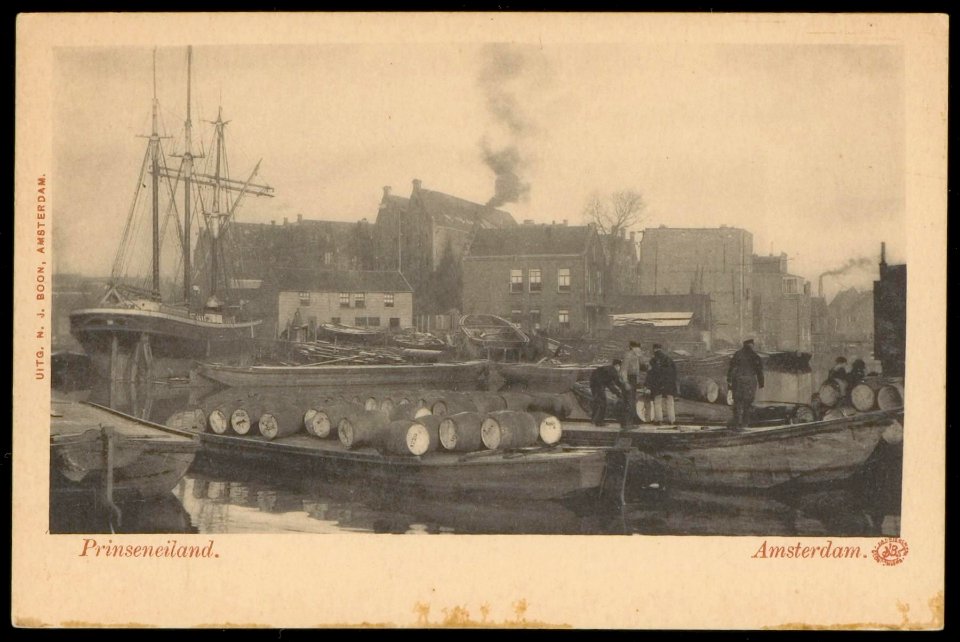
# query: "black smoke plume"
(503, 65)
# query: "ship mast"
(155, 184)
(187, 175)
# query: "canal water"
(218, 498)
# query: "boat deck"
(72, 418)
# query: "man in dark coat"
(662, 383)
(858, 372)
(744, 375)
(602, 379)
(839, 370)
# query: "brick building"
(850, 316)
(414, 233)
(713, 261)
(890, 317)
(540, 276)
(781, 306)
(302, 298)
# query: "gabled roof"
(532, 239)
(305, 280)
(451, 211)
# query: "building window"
(515, 315)
(563, 316)
(535, 319)
(563, 280)
(789, 286)
(536, 283)
(599, 283)
(344, 300)
(327, 258)
(516, 280)
(388, 300)
(359, 300)
(394, 322)
(360, 322)
(373, 322)
(304, 298)
(335, 320)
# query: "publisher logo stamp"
(890, 551)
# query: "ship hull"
(111, 338)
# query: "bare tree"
(613, 215)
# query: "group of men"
(622, 378)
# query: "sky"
(802, 145)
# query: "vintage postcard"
(480, 320)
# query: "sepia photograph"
(628, 286)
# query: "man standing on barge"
(744, 376)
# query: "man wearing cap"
(602, 379)
(662, 383)
(839, 370)
(632, 360)
(744, 375)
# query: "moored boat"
(537, 473)
(759, 457)
(467, 375)
(134, 327)
(91, 445)
(488, 331)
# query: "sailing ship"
(132, 330)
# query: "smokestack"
(386, 191)
(416, 184)
(883, 258)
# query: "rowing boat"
(92, 448)
(758, 457)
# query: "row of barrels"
(870, 394)
(400, 422)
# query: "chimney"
(284, 220)
(883, 258)
(564, 221)
(633, 236)
(299, 218)
(806, 288)
(820, 287)
(386, 191)
(273, 222)
(416, 184)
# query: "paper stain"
(906, 624)
(458, 617)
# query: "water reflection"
(231, 498)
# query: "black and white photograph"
(646, 283)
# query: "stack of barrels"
(873, 393)
(400, 422)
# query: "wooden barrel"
(405, 437)
(509, 429)
(890, 396)
(725, 394)
(244, 418)
(516, 400)
(189, 419)
(432, 424)
(832, 391)
(461, 432)
(361, 428)
(453, 403)
(549, 427)
(327, 419)
(280, 420)
(218, 415)
(863, 396)
(311, 416)
(802, 414)
(840, 412)
(699, 388)
(390, 401)
(557, 405)
(409, 411)
(488, 402)
(370, 402)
